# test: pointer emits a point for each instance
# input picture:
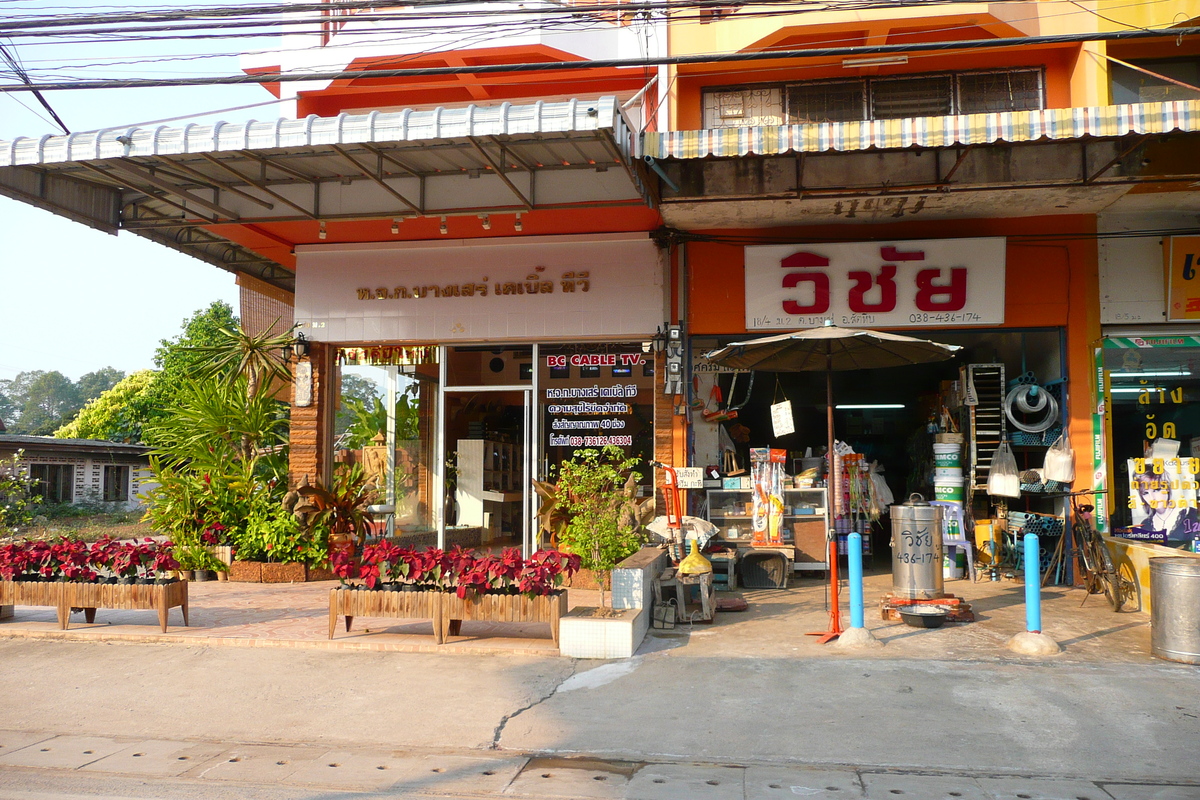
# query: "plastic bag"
(1003, 479)
(1060, 461)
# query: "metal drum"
(917, 550)
(1175, 609)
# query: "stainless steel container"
(1175, 609)
(917, 550)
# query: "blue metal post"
(854, 556)
(1033, 585)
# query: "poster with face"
(1162, 499)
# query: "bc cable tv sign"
(916, 283)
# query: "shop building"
(503, 252)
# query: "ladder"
(983, 388)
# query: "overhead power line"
(712, 58)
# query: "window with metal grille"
(896, 98)
(116, 483)
(874, 98)
(55, 482)
(986, 92)
(743, 106)
(830, 101)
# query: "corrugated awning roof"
(180, 185)
(950, 131)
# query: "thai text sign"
(924, 283)
(1183, 283)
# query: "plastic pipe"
(854, 557)
(1033, 585)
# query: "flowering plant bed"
(451, 586)
(64, 596)
(352, 603)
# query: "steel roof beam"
(498, 169)
(216, 162)
(148, 177)
(378, 181)
(224, 187)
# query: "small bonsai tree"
(592, 490)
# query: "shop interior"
(504, 423)
(888, 422)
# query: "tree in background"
(122, 413)
(117, 415)
(37, 402)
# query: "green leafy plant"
(591, 491)
(342, 511)
(17, 494)
(273, 534)
(197, 556)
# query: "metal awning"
(234, 194)
(950, 131)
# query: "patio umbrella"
(830, 349)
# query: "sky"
(74, 299)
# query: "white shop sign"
(545, 287)
(918, 283)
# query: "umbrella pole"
(831, 484)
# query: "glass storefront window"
(489, 365)
(1154, 429)
(395, 449)
(591, 395)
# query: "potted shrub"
(593, 490)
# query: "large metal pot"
(917, 550)
(1175, 609)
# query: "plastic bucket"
(952, 492)
(947, 455)
(947, 475)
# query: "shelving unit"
(729, 510)
(489, 487)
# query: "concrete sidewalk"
(775, 626)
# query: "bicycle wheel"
(1110, 579)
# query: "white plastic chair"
(954, 511)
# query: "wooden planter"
(267, 572)
(502, 608)
(91, 596)
(401, 605)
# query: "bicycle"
(1099, 574)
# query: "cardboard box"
(948, 438)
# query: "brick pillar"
(312, 426)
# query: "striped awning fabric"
(965, 129)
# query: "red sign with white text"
(925, 283)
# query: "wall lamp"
(299, 345)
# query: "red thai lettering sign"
(926, 283)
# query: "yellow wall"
(1085, 83)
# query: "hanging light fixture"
(301, 346)
(517, 224)
(442, 228)
(321, 233)
(395, 226)
(486, 221)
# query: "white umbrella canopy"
(830, 349)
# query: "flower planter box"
(267, 572)
(502, 608)
(351, 603)
(90, 596)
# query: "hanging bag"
(1060, 461)
(1003, 479)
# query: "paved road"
(192, 721)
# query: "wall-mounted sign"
(924, 283)
(1183, 278)
(537, 288)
